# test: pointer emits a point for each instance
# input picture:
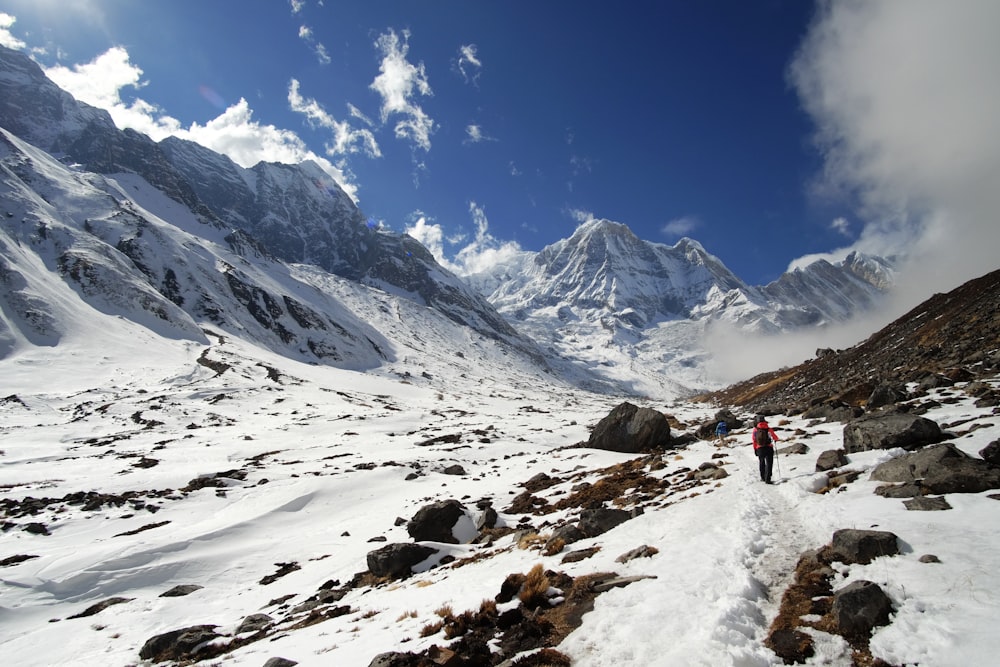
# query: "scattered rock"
(594, 522)
(180, 644)
(283, 569)
(858, 608)
(926, 504)
(645, 551)
(255, 623)
(181, 591)
(885, 431)
(580, 554)
(280, 662)
(929, 558)
(14, 560)
(991, 453)
(830, 459)
(100, 606)
(883, 395)
(455, 470)
(940, 469)
(861, 546)
(797, 448)
(397, 560)
(631, 429)
(436, 522)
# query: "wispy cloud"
(841, 226)
(474, 134)
(346, 139)
(297, 5)
(6, 38)
(307, 36)
(580, 215)
(905, 97)
(681, 226)
(468, 64)
(233, 133)
(399, 83)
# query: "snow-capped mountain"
(639, 312)
(295, 213)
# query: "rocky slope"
(954, 335)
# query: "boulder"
(830, 459)
(594, 522)
(794, 448)
(940, 469)
(861, 546)
(885, 431)
(397, 560)
(177, 644)
(630, 429)
(883, 395)
(859, 608)
(280, 662)
(991, 453)
(254, 623)
(926, 504)
(436, 522)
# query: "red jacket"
(763, 425)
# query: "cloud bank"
(906, 97)
(479, 255)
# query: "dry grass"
(531, 540)
(444, 611)
(552, 547)
(533, 592)
(431, 629)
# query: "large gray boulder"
(630, 429)
(397, 560)
(942, 468)
(885, 431)
(436, 522)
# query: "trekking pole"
(777, 466)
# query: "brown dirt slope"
(957, 333)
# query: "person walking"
(721, 431)
(764, 438)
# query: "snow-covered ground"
(328, 453)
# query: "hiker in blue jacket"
(764, 438)
(721, 431)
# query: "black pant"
(765, 456)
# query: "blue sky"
(769, 131)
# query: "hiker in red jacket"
(764, 438)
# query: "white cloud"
(841, 226)
(346, 139)
(474, 134)
(906, 98)
(469, 65)
(681, 226)
(480, 254)
(233, 133)
(297, 5)
(580, 215)
(306, 35)
(7, 39)
(398, 82)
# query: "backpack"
(761, 437)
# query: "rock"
(280, 662)
(929, 558)
(883, 395)
(884, 431)
(594, 522)
(645, 551)
(708, 471)
(254, 623)
(181, 591)
(926, 504)
(177, 644)
(862, 546)
(940, 469)
(830, 459)
(455, 470)
(579, 555)
(858, 608)
(568, 533)
(797, 448)
(630, 429)
(792, 646)
(435, 522)
(991, 453)
(394, 659)
(101, 606)
(397, 560)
